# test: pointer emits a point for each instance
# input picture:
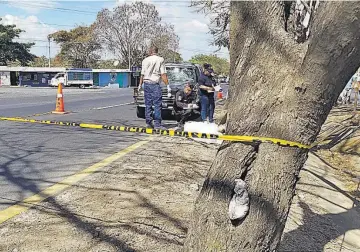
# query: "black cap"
(207, 66)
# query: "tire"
(168, 114)
(82, 86)
(140, 112)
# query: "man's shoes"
(149, 126)
(160, 128)
(180, 127)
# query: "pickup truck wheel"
(140, 112)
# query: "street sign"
(135, 69)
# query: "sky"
(42, 17)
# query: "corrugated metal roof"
(33, 69)
(111, 71)
(59, 69)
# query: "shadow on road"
(318, 230)
(26, 185)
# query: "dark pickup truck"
(178, 74)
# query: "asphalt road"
(33, 157)
(29, 101)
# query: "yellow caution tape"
(231, 138)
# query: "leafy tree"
(59, 61)
(220, 65)
(129, 30)
(11, 51)
(78, 46)
(109, 64)
(283, 85)
(167, 42)
(172, 57)
(42, 61)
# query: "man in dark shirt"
(207, 90)
(185, 103)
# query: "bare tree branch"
(129, 30)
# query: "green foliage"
(220, 65)
(109, 64)
(40, 62)
(172, 57)
(12, 52)
(78, 46)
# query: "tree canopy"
(78, 46)
(130, 29)
(220, 65)
(12, 51)
(41, 61)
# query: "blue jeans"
(207, 107)
(153, 97)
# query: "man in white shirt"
(153, 70)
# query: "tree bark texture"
(279, 88)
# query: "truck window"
(57, 76)
(180, 74)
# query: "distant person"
(355, 85)
(206, 66)
(207, 92)
(185, 103)
(153, 70)
(345, 96)
(356, 80)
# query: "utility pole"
(49, 52)
(129, 56)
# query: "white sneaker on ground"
(239, 204)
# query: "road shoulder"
(139, 203)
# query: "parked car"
(178, 74)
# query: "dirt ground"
(140, 203)
(325, 213)
(143, 201)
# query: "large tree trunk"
(282, 89)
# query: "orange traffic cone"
(59, 101)
(220, 94)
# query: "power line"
(204, 51)
(180, 48)
(34, 23)
(47, 46)
(44, 6)
(49, 7)
(59, 8)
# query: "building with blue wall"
(41, 76)
(105, 77)
(31, 76)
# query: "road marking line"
(85, 110)
(55, 189)
(112, 106)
